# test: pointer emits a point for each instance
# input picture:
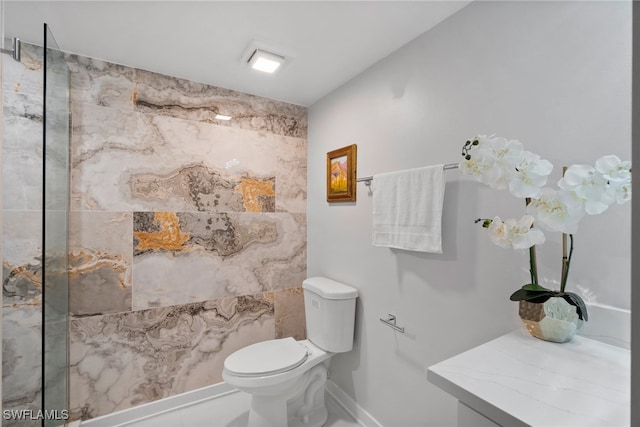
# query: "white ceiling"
(330, 41)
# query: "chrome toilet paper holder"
(390, 321)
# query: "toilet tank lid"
(329, 289)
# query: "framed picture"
(341, 174)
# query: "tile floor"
(229, 411)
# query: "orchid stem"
(533, 267)
(564, 256)
(533, 262)
(564, 249)
(567, 263)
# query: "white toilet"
(285, 377)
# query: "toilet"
(287, 378)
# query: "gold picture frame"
(341, 174)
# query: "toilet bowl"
(276, 371)
(287, 378)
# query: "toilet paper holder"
(391, 322)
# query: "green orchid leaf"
(535, 287)
(537, 294)
(540, 298)
(576, 300)
(518, 295)
(531, 296)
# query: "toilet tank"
(330, 310)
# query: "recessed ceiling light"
(262, 60)
(222, 117)
(266, 56)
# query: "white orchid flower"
(531, 175)
(498, 233)
(618, 175)
(589, 185)
(508, 153)
(481, 160)
(557, 210)
(523, 236)
(613, 169)
(515, 234)
(479, 164)
(584, 189)
(623, 193)
(493, 160)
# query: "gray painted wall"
(555, 75)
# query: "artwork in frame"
(341, 174)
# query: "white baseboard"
(171, 403)
(358, 413)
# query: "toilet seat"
(266, 358)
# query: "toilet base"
(267, 411)
(316, 419)
(303, 407)
(308, 409)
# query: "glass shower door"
(55, 278)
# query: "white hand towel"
(407, 209)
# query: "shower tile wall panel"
(21, 312)
(21, 151)
(196, 256)
(122, 360)
(289, 314)
(25, 76)
(187, 233)
(192, 101)
(100, 262)
(22, 233)
(143, 162)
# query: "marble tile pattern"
(22, 264)
(21, 361)
(191, 256)
(100, 262)
(187, 233)
(25, 76)
(124, 359)
(289, 314)
(21, 312)
(129, 161)
(21, 151)
(21, 234)
(193, 101)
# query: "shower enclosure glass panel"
(55, 231)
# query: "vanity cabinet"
(467, 417)
(517, 380)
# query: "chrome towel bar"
(367, 179)
(391, 322)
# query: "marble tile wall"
(21, 234)
(120, 360)
(187, 233)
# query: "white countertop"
(518, 380)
